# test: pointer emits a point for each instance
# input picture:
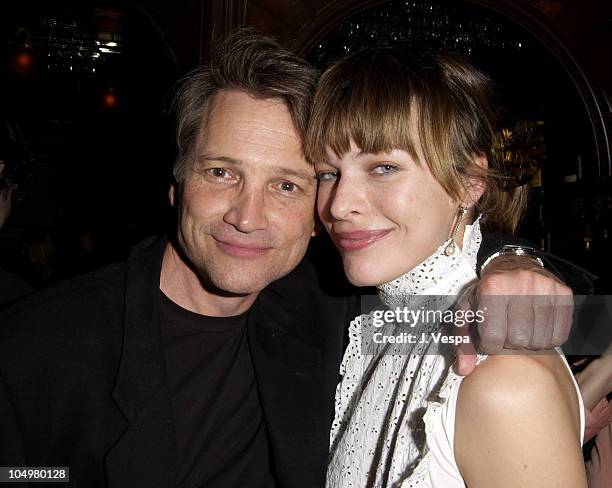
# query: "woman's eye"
(327, 175)
(384, 169)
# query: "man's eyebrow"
(223, 159)
(293, 172)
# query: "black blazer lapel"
(288, 370)
(145, 455)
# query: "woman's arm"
(518, 424)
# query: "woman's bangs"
(375, 119)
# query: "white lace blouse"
(395, 406)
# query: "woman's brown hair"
(383, 98)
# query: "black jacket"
(82, 376)
(12, 288)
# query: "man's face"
(247, 207)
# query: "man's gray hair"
(249, 62)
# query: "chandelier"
(70, 43)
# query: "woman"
(403, 151)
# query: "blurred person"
(14, 166)
(41, 252)
(599, 466)
(595, 382)
(210, 357)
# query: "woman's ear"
(476, 185)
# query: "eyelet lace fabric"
(390, 399)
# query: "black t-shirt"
(220, 430)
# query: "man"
(210, 359)
(13, 165)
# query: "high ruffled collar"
(438, 274)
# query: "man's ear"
(172, 196)
(1, 167)
(476, 185)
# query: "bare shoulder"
(523, 381)
(520, 412)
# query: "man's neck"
(182, 285)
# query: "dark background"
(103, 144)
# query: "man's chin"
(236, 286)
(240, 290)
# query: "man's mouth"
(240, 249)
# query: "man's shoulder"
(84, 303)
(92, 289)
(99, 282)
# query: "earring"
(317, 229)
(450, 249)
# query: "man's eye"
(218, 172)
(384, 169)
(327, 175)
(289, 187)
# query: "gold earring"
(450, 249)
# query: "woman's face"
(384, 212)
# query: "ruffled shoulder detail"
(349, 377)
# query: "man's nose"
(248, 211)
(347, 199)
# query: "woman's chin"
(368, 277)
(373, 273)
(361, 282)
